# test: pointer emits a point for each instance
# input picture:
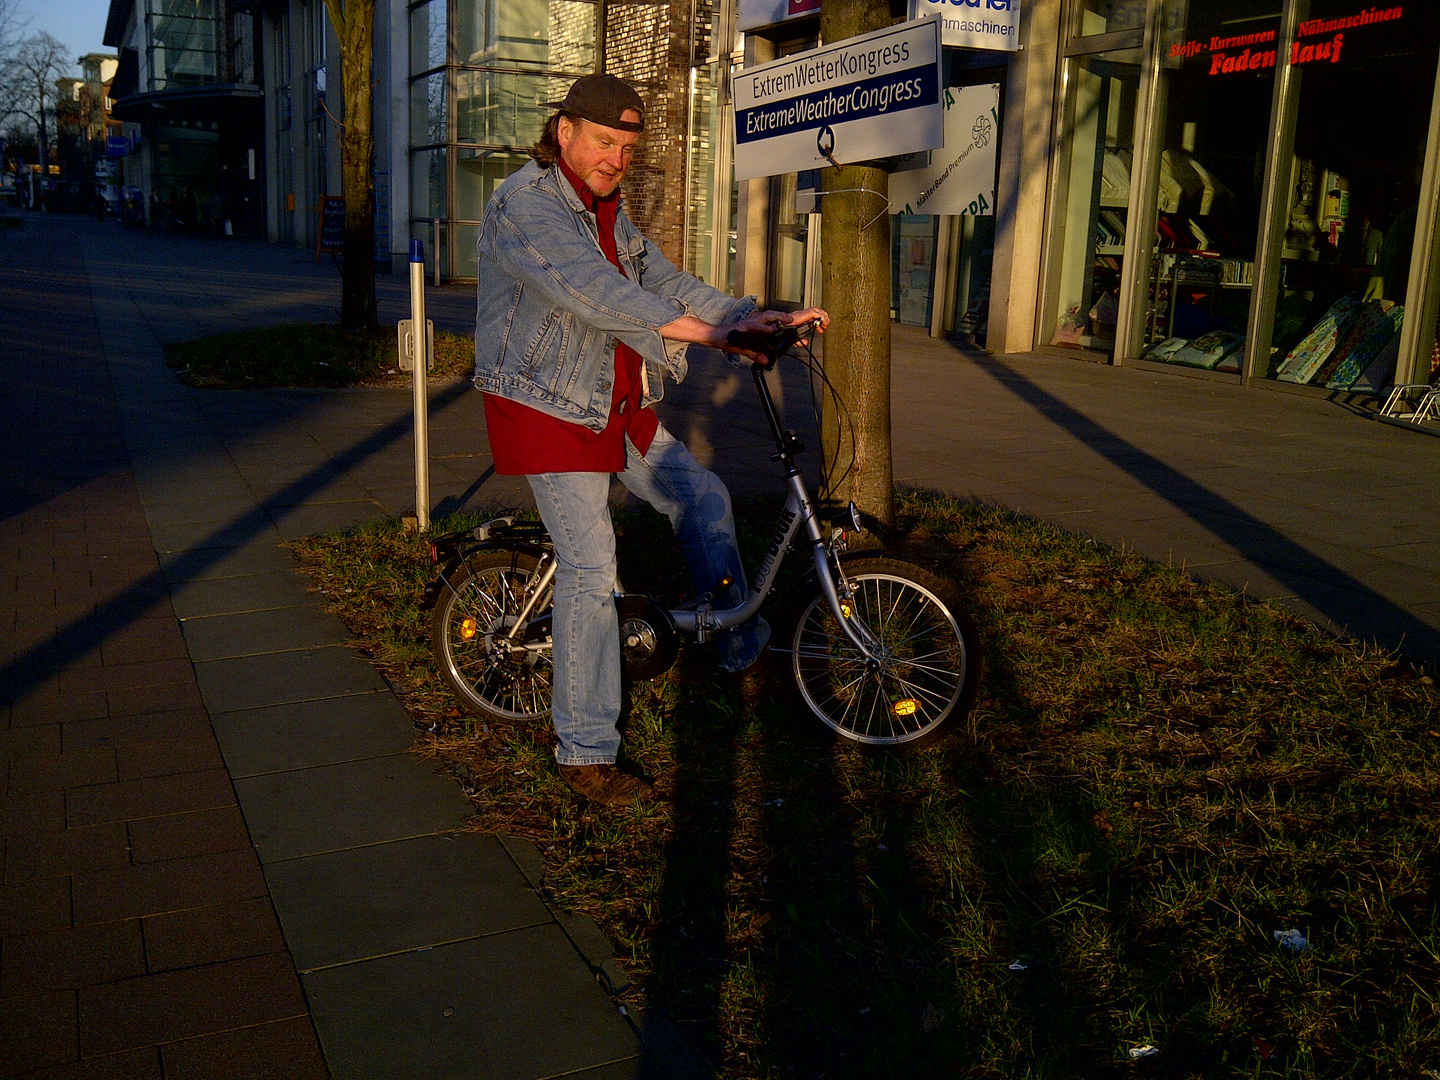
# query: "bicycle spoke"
(911, 676)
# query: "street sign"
(873, 96)
(959, 179)
(974, 24)
(116, 146)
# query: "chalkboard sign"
(332, 225)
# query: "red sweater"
(524, 440)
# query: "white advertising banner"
(757, 13)
(873, 96)
(960, 179)
(974, 24)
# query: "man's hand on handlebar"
(768, 324)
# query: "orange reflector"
(468, 629)
(905, 707)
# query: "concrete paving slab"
(225, 491)
(333, 807)
(316, 520)
(228, 533)
(236, 504)
(196, 597)
(512, 1006)
(358, 904)
(260, 557)
(302, 489)
(251, 633)
(1423, 556)
(283, 738)
(278, 678)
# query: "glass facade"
(183, 43)
(1092, 198)
(1108, 16)
(1275, 151)
(1217, 78)
(710, 223)
(480, 75)
(1361, 101)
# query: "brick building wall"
(648, 45)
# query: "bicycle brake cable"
(842, 411)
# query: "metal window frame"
(1422, 295)
(1274, 199)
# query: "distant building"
(188, 93)
(82, 112)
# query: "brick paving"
(139, 939)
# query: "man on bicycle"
(578, 317)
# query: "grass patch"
(309, 354)
(1162, 774)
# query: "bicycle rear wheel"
(492, 677)
(925, 670)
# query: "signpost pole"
(422, 365)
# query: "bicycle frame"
(798, 513)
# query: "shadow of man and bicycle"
(834, 964)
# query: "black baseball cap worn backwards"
(602, 99)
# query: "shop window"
(479, 174)
(558, 35)
(793, 205)
(427, 184)
(427, 37)
(912, 267)
(974, 239)
(503, 108)
(709, 228)
(1092, 197)
(1363, 82)
(427, 110)
(481, 74)
(1108, 16)
(1217, 69)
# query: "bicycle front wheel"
(494, 677)
(924, 669)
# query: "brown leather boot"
(605, 784)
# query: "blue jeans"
(575, 509)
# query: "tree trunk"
(856, 243)
(44, 140)
(354, 22)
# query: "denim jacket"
(551, 307)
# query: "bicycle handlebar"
(772, 346)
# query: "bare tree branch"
(27, 83)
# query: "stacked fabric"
(1212, 350)
(1381, 372)
(1312, 352)
(1359, 351)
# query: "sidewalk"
(192, 748)
(1291, 498)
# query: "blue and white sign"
(873, 96)
(974, 24)
(116, 146)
